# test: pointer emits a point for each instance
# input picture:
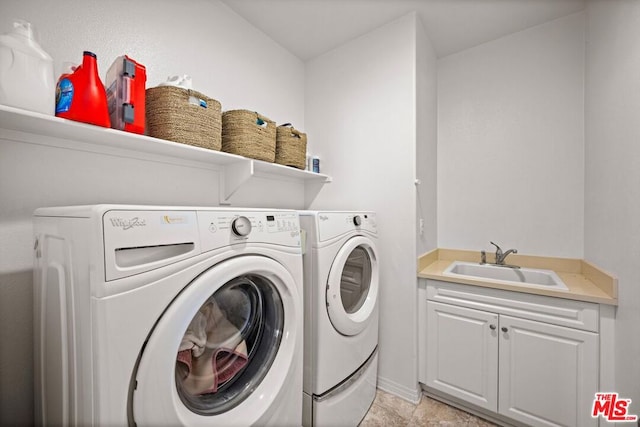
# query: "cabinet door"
(462, 353)
(548, 374)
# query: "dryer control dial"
(357, 220)
(241, 226)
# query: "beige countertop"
(585, 281)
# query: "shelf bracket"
(311, 190)
(232, 177)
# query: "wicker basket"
(291, 146)
(177, 114)
(249, 134)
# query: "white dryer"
(341, 277)
(167, 316)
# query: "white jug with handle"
(26, 71)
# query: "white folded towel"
(211, 352)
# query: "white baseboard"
(413, 395)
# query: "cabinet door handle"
(505, 329)
(492, 327)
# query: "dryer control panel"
(334, 224)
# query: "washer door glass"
(352, 286)
(229, 345)
(225, 350)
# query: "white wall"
(511, 142)
(228, 59)
(426, 171)
(612, 205)
(426, 143)
(360, 107)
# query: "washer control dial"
(357, 220)
(241, 226)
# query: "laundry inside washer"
(240, 325)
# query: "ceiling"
(308, 28)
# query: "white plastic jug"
(26, 71)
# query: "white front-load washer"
(341, 277)
(167, 316)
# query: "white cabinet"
(548, 374)
(513, 354)
(462, 353)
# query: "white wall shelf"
(34, 128)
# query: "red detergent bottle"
(81, 96)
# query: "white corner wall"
(360, 109)
(612, 205)
(228, 60)
(426, 143)
(511, 142)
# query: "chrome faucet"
(500, 256)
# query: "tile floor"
(391, 411)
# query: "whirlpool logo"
(127, 224)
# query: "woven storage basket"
(291, 146)
(249, 134)
(177, 114)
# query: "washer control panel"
(221, 228)
(241, 226)
(137, 240)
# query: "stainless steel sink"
(513, 276)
